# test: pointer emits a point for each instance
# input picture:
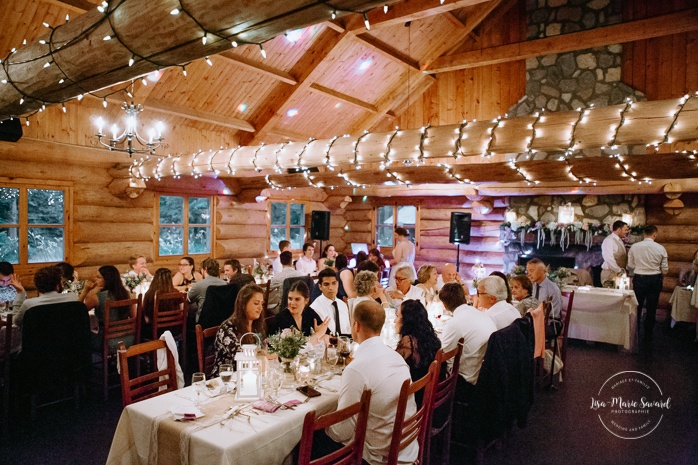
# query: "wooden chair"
(116, 331)
(351, 453)
(149, 385)
(5, 358)
(562, 338)
(415, 427)
(444, 394)
(267, 289)
(172, 316)
(203, 342)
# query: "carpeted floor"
(562, 428)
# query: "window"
(32, 225)
(388, 217)
(287, 222)
(180, 215)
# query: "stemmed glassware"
(344, 348)
(275, 378)
(226, 372)
(332, 356)
(198, 382)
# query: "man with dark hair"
(306, 264)
(613, 252)
(474, 327)
(649, 262)
(48, 282)
(328, 305)
(197, 292)
(544, 288)
(11, 289)
(277, 282)
(283, 247)
(382, 370)
(232, 274)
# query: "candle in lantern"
(249, 384)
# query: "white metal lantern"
(249, 383)
(622, 282)
(565, 214)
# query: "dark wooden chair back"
(444, 393)
(562, 339)
(149, 385)
(204, 348)
(287, 285)
(218, 305)
(350, 454)
(126, 330)
(414, 427)
(5, 358)
(267, 289)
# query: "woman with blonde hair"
(427, 276)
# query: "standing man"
(283, 247)
(649, 262)
(306, 264)
(328, 305)
(544, 289)
(613, 252)
(210, 269)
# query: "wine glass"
(226, 372)
(344, 348)
(275, 378)
(332, 356)
(198, 382)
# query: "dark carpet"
(562, 429)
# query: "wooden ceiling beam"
(78, 6)
(343, 97)
(198, 115)
(387, 51)
(258, 67)
(286, 134)
(405, 11)
(674, 23)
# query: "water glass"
(275, 379)
(332, 356)
(198, 382)
(226, 372)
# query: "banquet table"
(604, 315)
(147, 434)
(681, 309)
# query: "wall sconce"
(565, 214)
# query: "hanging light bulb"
(235, 44)
(209, 62)
(385, 8)
(132, 60)
(204, 39)
(106, 38)
(334, 14)
(262, 51)
(366, 23)
(174, 12)
(184, 70)
(80, 97)
(104, 102)
(64, 109)
(21, 101)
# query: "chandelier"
(130, 134)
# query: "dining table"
(148, 434)
(603, 315)
(682, 305)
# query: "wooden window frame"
(288, 226)
(185, 225)
(374, 226)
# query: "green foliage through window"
(179, 214)
(292, 230)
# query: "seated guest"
(329, 255)
(492, 299)
(418, 341)
(368, 265)
(306, 264)
(345, 277)
(11, 289)
(376, 257)
(521, 288)
(284, 246)
(246, 318)
(162, 284)
(68, 275)
(449, 275)
(328, 305)
(301, 317)
(186, 276)
(359, 258)
(107, 286)
(427, 278)
(138, 266)
(404, 290)
(382, 370)
(474, 327)
(506, 283)
(544, 289)
(197, 292)
(232, 273)
(48, 282)
(367, 288)
(277, 281)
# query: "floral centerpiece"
(132, 281)
(287, 344)
(518, 270)
(560, 276)
(329, 262)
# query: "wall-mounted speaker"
(459, 232)
(11, 130)
(320, 225)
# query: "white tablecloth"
(681, 309)
(604, 315)
(144, 424)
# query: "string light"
(570, 146)
(300, 155)
(457, 151)
(422, 137)
(366, 23)
(254, 158)
(192, 164)
(262, 51)
(491, 130)
(230, 161)
(356, 150)
(627, 106)
(387, 160)
(682, 104)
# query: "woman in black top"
(300, 316)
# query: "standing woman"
(328, 254)
(246, 318)
(404, 250)
(186, 276)
(300, 316)
(418, 341)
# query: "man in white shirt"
(327, 305)
(448, 275)
(283, 247)
(613, 252)
(474, 327)
(49, 284)
(210, 269)
(383, 371)
(403, 288)
(277, 282)
(306, 264)
(649, 262)
(491, 297)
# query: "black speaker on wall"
(11, 130)
(320, 225)
(459, 232)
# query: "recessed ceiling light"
(242, 107)
(338, 105)
(365, 65)
(292, 112)
(295, 35)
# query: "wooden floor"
(561, 430)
